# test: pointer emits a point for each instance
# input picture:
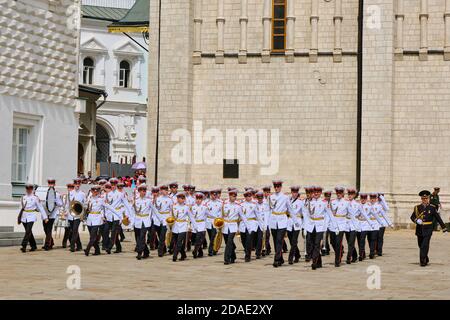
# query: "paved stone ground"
(42, 275)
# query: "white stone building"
(372, 113)
(118, 65)
(38, 96)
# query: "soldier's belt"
(362, 219)
(164, 212)
(199, 220)
(231, 221)
(179, 220)
(29, 211)
(372, 218)
(211, 217)
(251, 219)
(279, 213)
(119, 208)
(142, 215)
(95, 212)
(427, 223)
(316, 219)
(341, 216)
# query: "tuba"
(170, 222)
(76, 209)
(218, 224)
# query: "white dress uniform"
(375, 215)
(232, 213)
(317, 216)
(97, 207)
(379, 210)
(190, 201)
(120, 204)
(295, 221)
(215, 211)
(32, 206)
(182, 215)
(279, 203)
(364, 217)
(75, 195)
(199, 214)
(249, 211)
(143, 212)
(352, 221)
(263, 212)
(164, 206)
(341, 213)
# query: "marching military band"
(170, 221)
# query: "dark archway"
(103, 142)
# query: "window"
(279, 26)
(88, 71)
(19, 154)
(124, 74)
(230, 169)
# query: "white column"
(267, 24)
(197, 56)
(220, 32)
(447, 30)
(337, 19)
(243, 21)
(399, 17)
(314, 19)
(290, 30)
(423, 16)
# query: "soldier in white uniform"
(156, 224)
(199, 214)
(49, 243)
(67, 230)
(190, 200)
(96, 208)
(383, 212)
(173, 186)
(74, 222)
(231, 213)
(263, 212)
(31, 205)
(121, 207)
(294, 225)
(325, 248)
(341, 213)
(250, 227)
(309, 190)
(164, 206)
(352, 226)
(182, 215)
(377, 217)
(279, 205)
(143, 212)
(365, 224)
(267, 249)
(214, 205)
(317, 219)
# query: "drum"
(47, 195)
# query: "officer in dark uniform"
(423, 217)
(434, 200)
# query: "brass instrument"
(170, 222)
(125, 220)
(218, 224)
(76, 209)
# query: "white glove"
(337, 232)
(297, 225)
(419, 221)
(392, 226)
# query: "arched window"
(124, 74)
(102, 141)
(279, 26)
(88, 71)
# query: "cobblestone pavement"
(42, 275)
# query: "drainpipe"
(359, 93)
(157, 104)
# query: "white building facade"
(38, 96)
(116, 64)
